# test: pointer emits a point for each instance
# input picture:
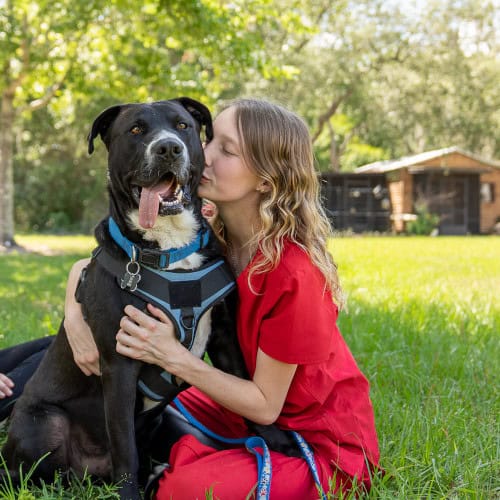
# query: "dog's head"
(155, 155)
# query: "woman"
(259, 173)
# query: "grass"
(32, 285)
(423, 324)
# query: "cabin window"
(487, 191)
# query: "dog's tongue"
(150, 203)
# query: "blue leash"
(308, 455)
(252, 443)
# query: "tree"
(39, 47)
(381, 79)
(333, 66)
(373, 78)
(445, 93)
(71, 52)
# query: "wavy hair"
(277, 145)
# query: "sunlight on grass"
(57, 244)
(33, 285)
(391, 271)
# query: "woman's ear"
(263, 187)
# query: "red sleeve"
(299, 327)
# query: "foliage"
(82, 56)
(426, 221)
(410, 76)
(373, 79)
(423, 324)
(59, 188)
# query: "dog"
(154, 230)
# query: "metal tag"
(131, 277)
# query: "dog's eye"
(136, 130)
(182, 126)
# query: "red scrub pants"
(196, 470)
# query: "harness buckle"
(154, 259)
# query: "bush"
(426, 221)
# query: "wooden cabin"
(462, 188)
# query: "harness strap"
(183, 295)
(159, 259)
(253, 444)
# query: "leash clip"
(131, 277)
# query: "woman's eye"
(136, 130)
(182, 126)
(228, 152)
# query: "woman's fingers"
(148, 336)
(125, 338)
(145, 320)
(158, 313)
(82, 343)
(6, 385)
(141, 318)
(130, 326)
(124, 345)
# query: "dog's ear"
(200, 113)
(101, 125)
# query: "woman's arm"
(78, 332)
(260, 400)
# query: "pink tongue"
(150, 203)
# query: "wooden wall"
(490, 212)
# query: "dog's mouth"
(167, 197)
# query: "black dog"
(155, 231)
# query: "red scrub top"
(288, 313)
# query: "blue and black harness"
(184, 296)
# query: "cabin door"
(453, 198)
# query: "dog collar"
(159, 259)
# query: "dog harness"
(183, 295)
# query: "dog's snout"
(167, 148)
(167, 153)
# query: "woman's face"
(227, 178)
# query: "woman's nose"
(206, 152)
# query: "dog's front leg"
(119, 380)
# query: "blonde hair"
(276, 144)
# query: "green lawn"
(423, 323)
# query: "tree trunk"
(334, 154)
(7, 117)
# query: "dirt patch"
(31, 248)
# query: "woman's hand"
(153, 341)
(79, 335)
(6, 386)
(150, 340)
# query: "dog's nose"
(168, 149)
